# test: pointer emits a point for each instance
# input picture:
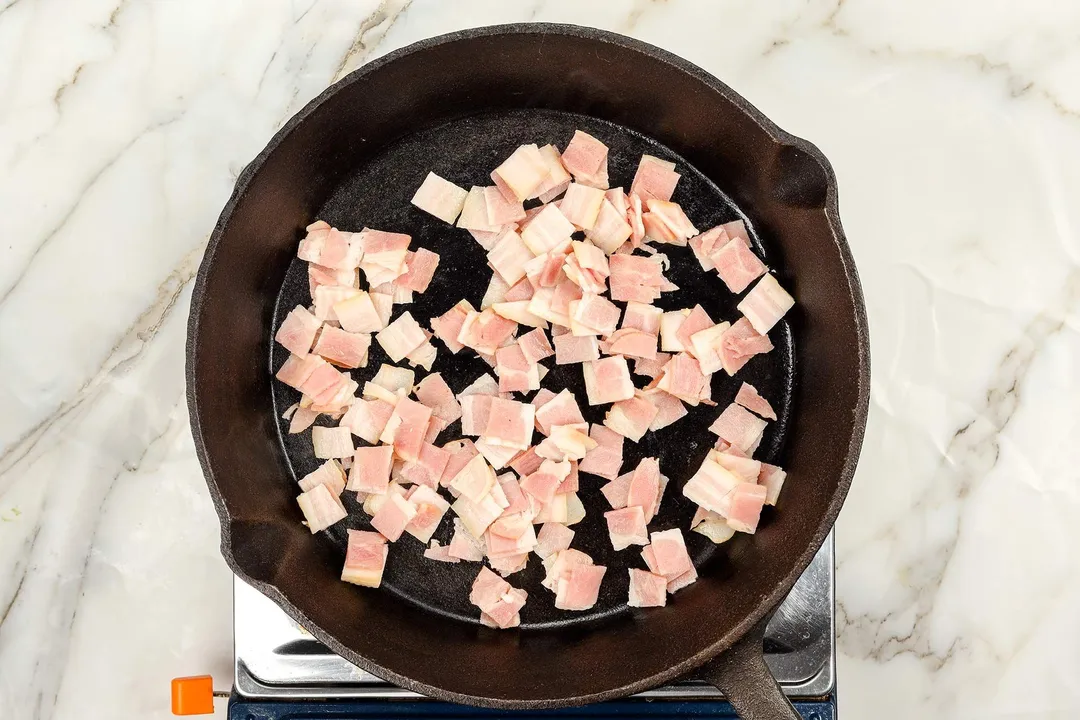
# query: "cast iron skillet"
(459, 104)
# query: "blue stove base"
(391, 709)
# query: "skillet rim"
(860, 411)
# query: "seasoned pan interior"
(464, 151)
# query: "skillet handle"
(741, 674)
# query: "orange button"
(193, 695)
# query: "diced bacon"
(343, 348)
(682, 377)
(669, 553)
(401, 337)
(501, 211)
(393, 517)
(744, 507)
(535, 346)
(566, 442)
(329, 474)
(370, 472)
(358, 314)
(384, 255)
(558, 565)
(607, 380)
(558, 178)
(486, 331)
(331, 442)
(331, 248)
(475, 412)
(626, 527)
(571, 349)
(319, 276)
(510, 526)
(617, 197)
(367, 418)
(575, 509)
(500, 546)
(618, 490)
(373, 503)
(365, 558)
(636, 278)
(429, 466)
(579, 589)
(430, 509)
(516, 374)
(509, 256)
(705, 244)
(488, 590)
(740, 343)
(647, 589)
(422, 264)
(632, 417)
(606, 458)
(298, 330)
(581, 205)
(558, 510)
(590, 281)
(477, 516)
(610, 230)
(547, 230)
(765, 304)
(321, 507)
(643, 317)
(632, 343)
(644, 490)
(439, 553)
(474, 480)
(772, 478)
(707, 346)
(326, 297)
(302, 419)
(695, 322)
(439, 197)
(666, 222)
(593, 315)
(437, 395)
(297, 369)
(397, 380)
(571, 483)
(544, 483)
(744, 467)
(552, 538)
(519, 291)
(750, 399)
(737, 229)
(474, 217)
(710, 486)
(738, 426)
(651, 368)
(562, 409)
(711, 525)
(447, 326)
(687, 578)
(463, 546)
(655, 178)
(565, 293)
(510, 424)
(669, 408)
(585, 156)
(521, 174)
(526, 462)
(670, 325)
(737, 265)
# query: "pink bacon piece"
(765, 304)
(447, 326)
(626, 527)
(365, 558)
(298, 330)
(739, 343)
(370, 471)
(655, 178)
(586, 159)
(632, 417)
(750, 399)
(737, 265)
(606, 458)
(321, 507)
(738, 426)
(647, 589)
(608, 380)
(440, 197)
(422, 265)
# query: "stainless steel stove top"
(276, 658)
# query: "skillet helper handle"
(741, 674)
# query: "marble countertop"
(954, 128)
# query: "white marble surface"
(954, 128)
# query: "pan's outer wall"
(784, 184)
